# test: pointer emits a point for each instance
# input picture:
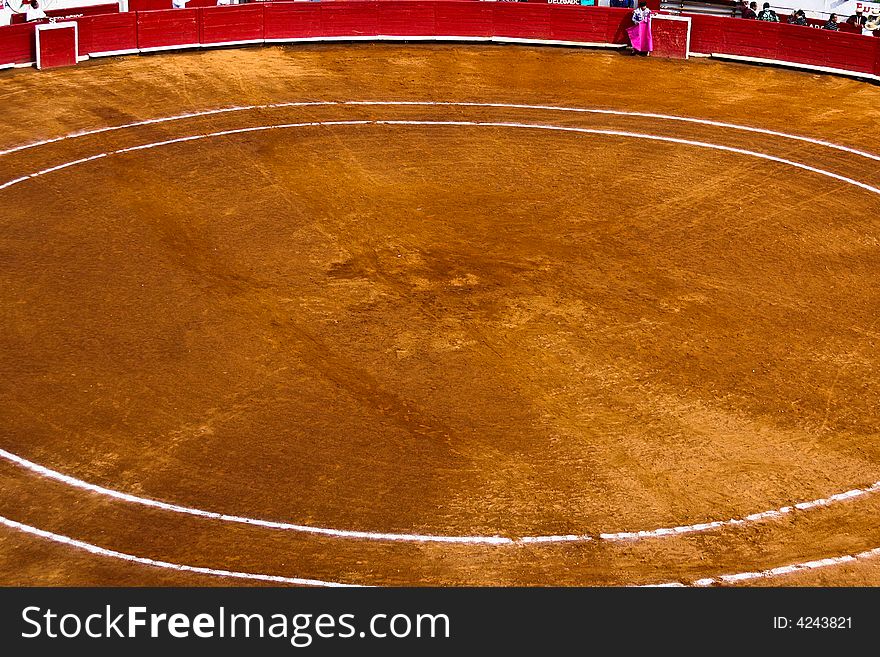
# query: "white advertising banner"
(847, 8)
(823, 8)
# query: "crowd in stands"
(859, 21)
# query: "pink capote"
(640, 36)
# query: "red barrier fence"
(785, 43)
(416, 20)
(350, 19)
(292, 21)
(18, 44)
(234, 24)
(463, 18)
(111, 33)
(575, 24)
(167, 29)
(370, 19)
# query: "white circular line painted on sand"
(787, 570)
(281, 579)
(73, 482)
(199, 570)
(414, 103)
(379, 536)
(779, 571)
(491, 124)
(269, 524)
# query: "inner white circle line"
(496, 540)
(48, 473)
(493, 124)
(552, 108)
(104, 552)
(270, 524)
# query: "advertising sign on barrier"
(846, 8)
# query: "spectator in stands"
(628, 4)
(798, 18)
(831, 24)
(640, 33)
(768, 14)
(34, 11)
(179, 4)
(872, 21)
(858, 19)
(749, 11)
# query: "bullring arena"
(438, 314)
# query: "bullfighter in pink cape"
(640, 32)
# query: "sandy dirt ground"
(457, 330)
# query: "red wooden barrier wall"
(349, 19)
(292, 21)
(851, 52)
(877, 61)
(278, 21)
(415, 19)
(463, 19)
(787, 43)
(17, 44)
(574, 24)
(110, 33)
(707, 34)
(161, 29)
(232, 24)
(526, 21)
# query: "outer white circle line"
(532, 126)
(48, 473)
(787, 570)
(269, 524)
(279, 579)
(553, 108)
(104, 552)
